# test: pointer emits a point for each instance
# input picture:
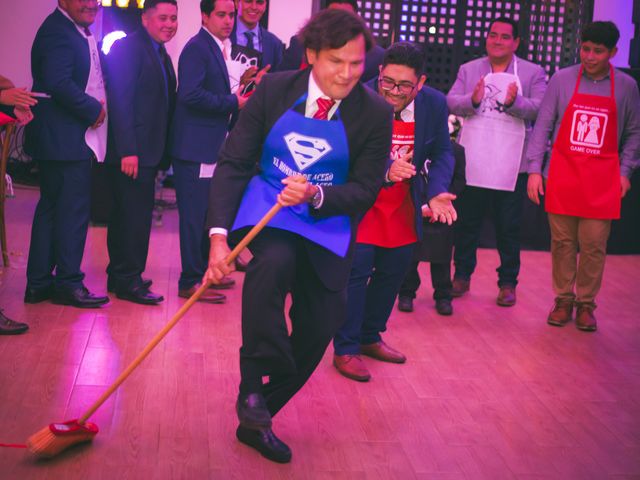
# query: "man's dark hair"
(602, 33)
(208, 6)
(514, 25)
(149, 4)
(331, 29)
(353, 3)
(407, 54)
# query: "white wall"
(286, 17)
(19, 22)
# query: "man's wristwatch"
(316, 199)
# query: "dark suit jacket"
(272, 46)
(367, 120)
(139, 108)
(431, 143)
(205, 102)
(60, 65)
(294, 54)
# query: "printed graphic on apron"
(588, 128)
(306, 150)
(491, 100)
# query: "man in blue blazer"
(204, 111)
(141, 91)
(62, 67)
(249, 33)
(388, 232)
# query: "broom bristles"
(55, 438)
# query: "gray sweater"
(554, 104)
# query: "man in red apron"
(317, 142)
(594, 114)
(388, 232)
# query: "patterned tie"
(250, 43)
(324, 105)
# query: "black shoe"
(111, 284)
(444, 307)
(266, 442)
(141, 295)
(252, 411)
(78, 297)
(37, 295)
(9, 327)
(405, 304)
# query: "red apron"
(4, 119)
(391, 221)
(584, 174)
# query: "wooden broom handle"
(178, 315)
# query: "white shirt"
(311, 107)
(408, 114)
(224, 45)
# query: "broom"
(57, 437)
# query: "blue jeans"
(376, 276)
(506, 209)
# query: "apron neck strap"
(575, 90)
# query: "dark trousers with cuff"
(506, 209)
(281, 266)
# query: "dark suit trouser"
(130, 225)
(60, 225)
(281, 265)
(507, 216)
(376, 276)
(192, 194)
(440, 281)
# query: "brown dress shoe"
(460, 287)
(506, 296)
(209, 295)
(561, 313)
(382, 351)
(585, 319)
(352, 366)
(225, 284)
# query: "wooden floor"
(489, 393)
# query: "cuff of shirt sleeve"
(221, 231)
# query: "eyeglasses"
(388, 85)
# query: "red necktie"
(324, 105)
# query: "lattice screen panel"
(453, 32)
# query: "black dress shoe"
(266, 442)
(405, 304)
(78, 297)
(252, 411)
(443, 306)
(141, 295)
(9, 327)
(37, 295)
(111, 285)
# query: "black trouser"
(130, 226)
(192, 194)
(506, 208)
(440, 280)
(281, 265)
(60, 225)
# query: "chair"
(6, 133)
